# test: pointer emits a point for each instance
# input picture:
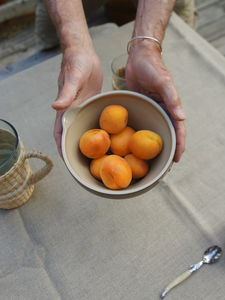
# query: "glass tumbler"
(118, 72)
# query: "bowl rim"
(122, 191)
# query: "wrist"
(146, 43)
(72, 37)
(143, 47)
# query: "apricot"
(120, 141)
(139, 167)
(115, 172)
(95, 166)
(113, 119)
(145, 144)
(94, 143)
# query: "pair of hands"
(81, 78)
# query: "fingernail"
(59, 101)
(57, 104)
(180, 114)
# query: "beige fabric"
(47, 38)
(67, 243)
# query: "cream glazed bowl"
(143, 113)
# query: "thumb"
(172, 101)
(66, 96)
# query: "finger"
(66, 96)
(58, 131)
(180, 130)
(172, 99)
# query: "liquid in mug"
(7, 146)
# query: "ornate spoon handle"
(181, 278)
(174, 283)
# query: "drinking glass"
(118, 72)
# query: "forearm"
(152, 18)
(70, 22)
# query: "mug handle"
(44, 171)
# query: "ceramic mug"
(16, 177)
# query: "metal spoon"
(211, 255)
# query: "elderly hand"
(80, 78)
(146, 74)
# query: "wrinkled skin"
(146, 74)
(80, 78)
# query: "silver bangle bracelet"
(143, 37)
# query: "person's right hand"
(80, 78)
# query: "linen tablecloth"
(67, 243)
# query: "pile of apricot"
(130, 149)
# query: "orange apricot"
(138, 166)
(145, 144)
(94, 143)
(95, 166)
(115, 172)
(113, 118)
(120, 141)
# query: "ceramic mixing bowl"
(143, 113)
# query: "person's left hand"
(147, 74)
